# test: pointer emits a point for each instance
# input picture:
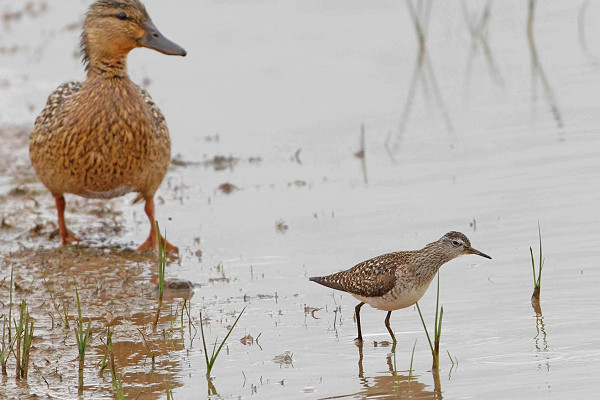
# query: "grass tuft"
(107, 351)
(117, 382)
(537, 280)
(162, 264)
(437, 328)
(210, 361)
(81, 335)
(27, 338)
(8, 340)
(23, 336)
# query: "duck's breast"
(108, 142)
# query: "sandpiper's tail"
(331, 281)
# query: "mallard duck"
(105, 137)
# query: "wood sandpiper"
(397, 280)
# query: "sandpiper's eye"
(122, 16)
(456, 243)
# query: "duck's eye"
(455, 243)
(122, 16)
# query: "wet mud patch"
(116, 291)
(27, 209)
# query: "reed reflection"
(478, 28)
(423, 73)
(538, 75)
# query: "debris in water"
(281, 226)
(284, 359)
(228, 188)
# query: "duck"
(105, 137)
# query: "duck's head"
(456, 244)
(113, 28)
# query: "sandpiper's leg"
(65, 236)
(357, 313)
(387, 325)
(152, 241)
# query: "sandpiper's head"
(457, 244)
(112, 28)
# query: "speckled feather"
(100, 138)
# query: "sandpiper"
(397, 280)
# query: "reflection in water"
(538, 74)
(423, 73)
(541, 342)
(582, 37)
(393, 385)
(478, 28)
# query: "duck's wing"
(373, 277)
(47, 120)
(159, 119)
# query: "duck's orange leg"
(152, 241)
(65, 236)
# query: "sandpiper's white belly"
(394, 299)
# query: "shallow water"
(284, 89)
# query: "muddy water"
(488, 146)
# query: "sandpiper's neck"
(431, 257)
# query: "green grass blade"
(215, 355)
(439, 331)
(424, 327)
(437, 305)
(203, 340)
(533, 266)
(11, 302)
(412, 357)
(541, 256)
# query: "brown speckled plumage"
(87, 144)
(105, 137)
(397, 280)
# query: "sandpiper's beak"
(153, 39)
(471, 250)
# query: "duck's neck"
(107, 67)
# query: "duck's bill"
(479, 253)
(156, 41)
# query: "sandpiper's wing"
(370, 278)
